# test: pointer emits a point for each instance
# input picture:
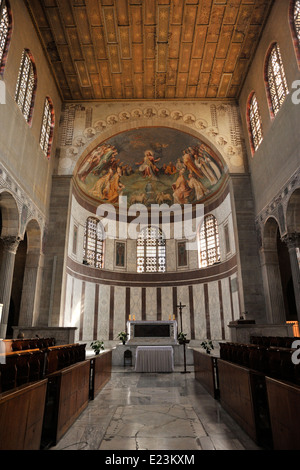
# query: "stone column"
(10, 245)
(292, 241)
(30, 301)
(272, 286)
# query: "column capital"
(292, 240)
(11, 243)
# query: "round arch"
(293, 213)
(10, 215)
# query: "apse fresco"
(151, 166)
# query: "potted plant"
(182, 338)
(123, 336)
(97, 346)
(207, 345)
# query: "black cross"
(180, 306)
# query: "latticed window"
(47, 128)
(277, 83)
(151, 251)
(297, 19)
(209, 246)
(4, 30)
(93, 247)
(25, 85)
(255, 123)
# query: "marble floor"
(136, 411)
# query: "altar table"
(154, 359)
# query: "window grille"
(93, 247)
(255, 123)
(209, 246)
(25, 86)
(47, 128)
(151, 251)
(4, 30)
(297, 19)
(277, 83)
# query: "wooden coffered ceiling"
(149, 49)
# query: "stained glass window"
(277, 83)
(4, 30)
(25, 85)
(255, 123)
(93, 247)
(297, 19)
(151, 251)
(47, 128)
(209, 246)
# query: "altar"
(154, 359)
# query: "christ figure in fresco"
(148, 165)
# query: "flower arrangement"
(123, 336)
(97, 346)
(207, 345)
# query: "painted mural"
(151, 166)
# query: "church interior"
(149, 225)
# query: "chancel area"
(149, 224)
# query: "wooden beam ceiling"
(149, 49)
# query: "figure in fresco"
(199, 188)
(114, 187)
(104, 163)
(101, 188)
(181, 190)
(189, 163)
(176, 167)
(92, 161)
(148, 165)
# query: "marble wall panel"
(103, 316)
(183, 297)
(167, 303)
(89, 310)
(151, 304)
(136, 302)
(214, 310)
(76, 306)
(119, 311)
(199, 311)
(227, 306)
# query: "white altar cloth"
(154, 359)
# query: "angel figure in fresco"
(92, 161)
(181, 190)
(105, 160)
(148, 165)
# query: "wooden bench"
(21, 417)
(11, 345)
(206, 373)
(19, 368)
(100, 366)
(67, 396)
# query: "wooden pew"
(67, 396)
(21, 417)
(206, 372)
(100, 367)
(243, 395)
(21, 367)
(284, 406)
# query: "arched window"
(47, 128)
(209, 246)
(276, 79)
(26, 85)
(151, 251)
(254, 122)
(93, 245)
(5, 32)
(295, 25)
(297, 19)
